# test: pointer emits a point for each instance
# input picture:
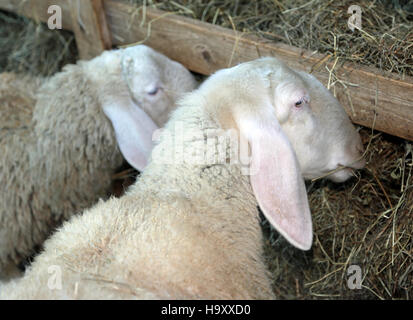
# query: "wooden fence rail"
(368, 95)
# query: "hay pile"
(367, 221)
(30, 47)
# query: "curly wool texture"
(183, 231)
(59, 159)
(17, 100)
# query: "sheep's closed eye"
(153, 91)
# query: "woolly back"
(17, 101)
(75, 147)
(57, 164)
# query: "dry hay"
(30, 47)
(366, 221)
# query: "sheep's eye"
(153, 91)
(299, 104)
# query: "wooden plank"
(90, 27)
(370, 97)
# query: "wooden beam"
(90, 27)
(368, 95)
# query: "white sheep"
(17, 99)
(59, 138)
(189, 227)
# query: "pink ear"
(277, 182)
(133, 129)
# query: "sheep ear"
(277, 182)
(133, 130)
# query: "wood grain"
(90, 27)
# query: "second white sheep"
(58, 155)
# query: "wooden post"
(90, 27)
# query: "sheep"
(189, 227)
(17, 99)
(60, 138)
